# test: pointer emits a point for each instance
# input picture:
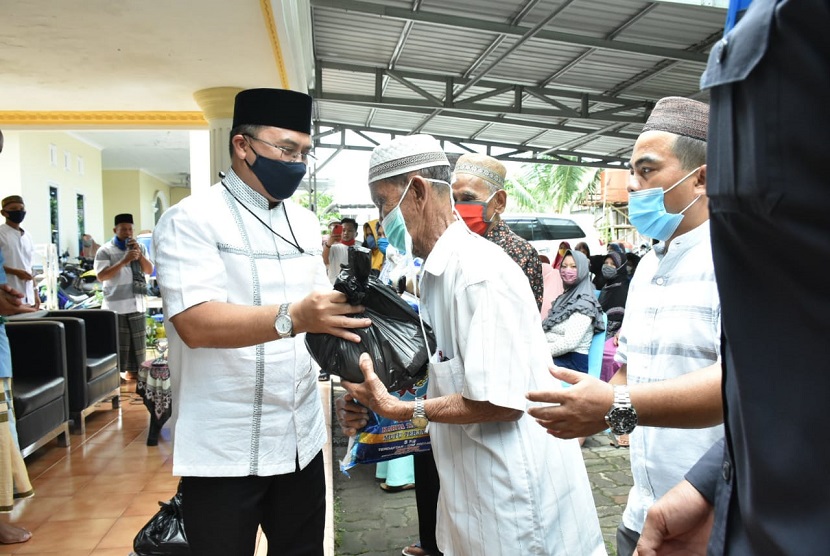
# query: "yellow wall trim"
(192, 120)
(268, 14)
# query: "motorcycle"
(78, 286)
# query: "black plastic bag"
(164, 534)
(395, 341)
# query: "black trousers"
(426, 497)
(221, 514)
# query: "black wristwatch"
(622, 417)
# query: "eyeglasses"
(286, 152)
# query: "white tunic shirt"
(19, 251)
(671, 327)
(252, 410)
(507, 488)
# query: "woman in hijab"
(615, 291)
(560, 253)
(575, 316)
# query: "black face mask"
(280, 179)
(16, 216)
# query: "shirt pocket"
(446, 377)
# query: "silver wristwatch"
(419, 416)
(283, 323)
(622, 417)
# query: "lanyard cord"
(295, 244)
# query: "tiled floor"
(93, 497)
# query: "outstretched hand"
(11, 302)
(350, 415)
(328, 313)
(581, 408)
(371, 392)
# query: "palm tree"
(552, 187)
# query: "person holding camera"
(121, 265)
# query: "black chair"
(39, 383)
(92, 361)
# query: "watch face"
(284, 325)
(622, 420)
(420, 422)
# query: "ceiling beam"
(454, 21)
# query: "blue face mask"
(280, 179)
(120, 243)
(647, 211)
(370, 242)
(383, 243)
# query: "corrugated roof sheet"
(623, 54)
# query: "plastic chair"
(596, 351)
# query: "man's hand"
(10, 302)
(334, 238)
(20, 273)
(351, 416)
(132, 254)
(678, 523)
(582, 407)
(327, 313)
(371, 392)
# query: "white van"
(546, 230)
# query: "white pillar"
(200, 177)
(217, 105)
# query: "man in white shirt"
(670, 337)
(507, 487)
(19, 250)
(120, 265)
(242, 278)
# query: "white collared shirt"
(671, 327)
(252, 410)
(507, 488)
(18, 250)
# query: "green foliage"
(324, 200)
(552, 187)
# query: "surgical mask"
(87, 243)
(394, 224)
(16, 216)
(608, 271)
(647, 211)
(474, 214)
(383, 243)
(370, 242)
(568, 275)
(280, 179)
(120, 243)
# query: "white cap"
(405, 154)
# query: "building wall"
(177, 194)
(135, 192)
(32, 161)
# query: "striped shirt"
(671, 327)
(118, 290)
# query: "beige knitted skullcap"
(482, 166)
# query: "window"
(81, 212)
(54, 216)
(53, 155)
(67, 161)
(80, 166)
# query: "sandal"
(417, 550)
(386, 488)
